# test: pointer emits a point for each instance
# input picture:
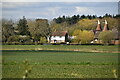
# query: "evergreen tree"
(94, 16)
(23, 27)
(83, 16)
(100, 17)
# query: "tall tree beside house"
(23, 27)
(106, 36)
(43, 27)
(39, 28)
(34, 30)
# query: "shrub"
(43, 40)
(83, 37)
(106, 36)
(13, 39)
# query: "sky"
(59, 0)
(50, 10)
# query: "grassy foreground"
(58, 61)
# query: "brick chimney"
(98, 27)
(105, 26)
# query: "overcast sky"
(60, 0)
(50, 10)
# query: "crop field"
(59, 61)
(84, 48)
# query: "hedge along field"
(59, 64)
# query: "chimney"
(98, 27)
(105, 26)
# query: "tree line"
(28, 31)
(75, 18)
(25, 32)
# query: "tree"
(23, 27)
(59, 20)
(75, 19)
(7, 29)
(43, 26)
(77, 36)
(94, 16)
(89, 16)
(107, 15)
(83, 17)
(87, 37)
(83, 37)
(87, 24)
(70, 20)
(106, 36)
(112, 22)
(39, 28)
(58, 27)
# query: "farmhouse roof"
(98, 27)
(97, 34)
(59, 33)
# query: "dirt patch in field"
(96, 51)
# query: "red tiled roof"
(105, 27)
(99, 28)
(59, 33)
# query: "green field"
(60, 61)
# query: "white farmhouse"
(58, 37)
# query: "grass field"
(60, 61)
(85, 48)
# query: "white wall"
(58, 38)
